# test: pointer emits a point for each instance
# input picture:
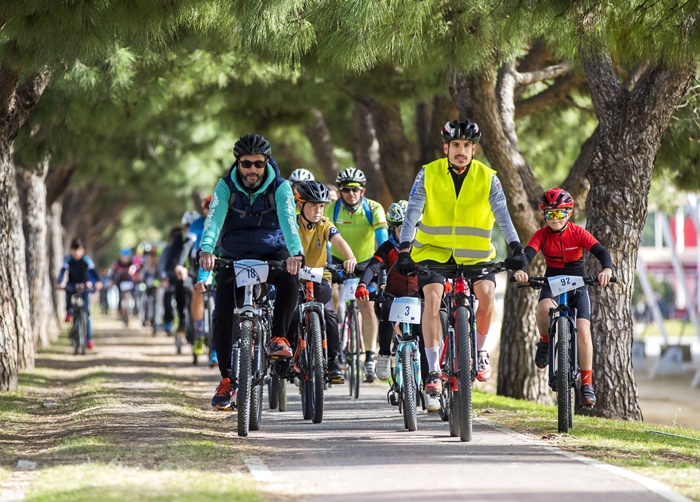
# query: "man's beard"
(252, 184)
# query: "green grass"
(633, 445)
(106, 483)
(674, 328)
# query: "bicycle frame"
(562, 309)
(458, 355)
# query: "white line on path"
(258, 469)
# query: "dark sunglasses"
(351, 189)
(247, 164)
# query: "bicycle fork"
(570, 314)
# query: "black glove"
(405, 264)
(518, 261)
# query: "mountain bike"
(406, 381)
(351, 333)
(311, 356)
(79, 329)
(564, 371)
(148, 303)
(459, 366)
(252, 324)
(126, 300)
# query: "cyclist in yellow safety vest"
(460, 199)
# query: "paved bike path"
(361, 452)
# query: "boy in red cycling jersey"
(562, 244)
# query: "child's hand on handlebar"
(520, 276)
(349, 265)
(604, 277)
(362, 293)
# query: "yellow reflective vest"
(456, 226)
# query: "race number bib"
(126, 286)
(349, 287)
(405, 309)
(311, 274)
(250, 272)
(563, 283)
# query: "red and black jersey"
(563, 251)
(396, 283)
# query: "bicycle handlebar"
(227, 263)
(469, 271)
(540, 282)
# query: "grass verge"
(668, 454)
(104, 482)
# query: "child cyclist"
(398, 285)
(81, 270)
(562, 244)
(315, 231)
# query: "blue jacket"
(252, 225)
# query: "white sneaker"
(383, 367)
(370, 374)
(432, 403)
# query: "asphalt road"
(361, 452)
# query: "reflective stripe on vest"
(456, 227)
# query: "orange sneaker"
(222, 398)
(279, 347)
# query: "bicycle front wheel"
(563, 374)
(317, 369)
(409, 389)
(353, 356)
(244, 376)
(465, 374)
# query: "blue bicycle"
(406, 381)
(564, 371)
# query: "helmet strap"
(309, 224)
(458, 170)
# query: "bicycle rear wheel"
(317, 372)
(244, 376)
(564, 389)
(465, 374)
(409, 389)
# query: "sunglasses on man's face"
(556, 214)
(351, 189)
(247, 164)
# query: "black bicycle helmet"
(312, 191)
(461, 129)
(251, 144)
(351, 175)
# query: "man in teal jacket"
(252, 216)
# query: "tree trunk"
(431, 117)
(32, 191)
(477, 100)
(15, 327)
(631, 127)
(56, 255)
(366, 154)
(320, 138)
(17, 99)
(398, 155)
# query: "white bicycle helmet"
(301, 174)
(351, 175)
(189, 217)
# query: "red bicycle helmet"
(556, 198)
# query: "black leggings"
(386, 334)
